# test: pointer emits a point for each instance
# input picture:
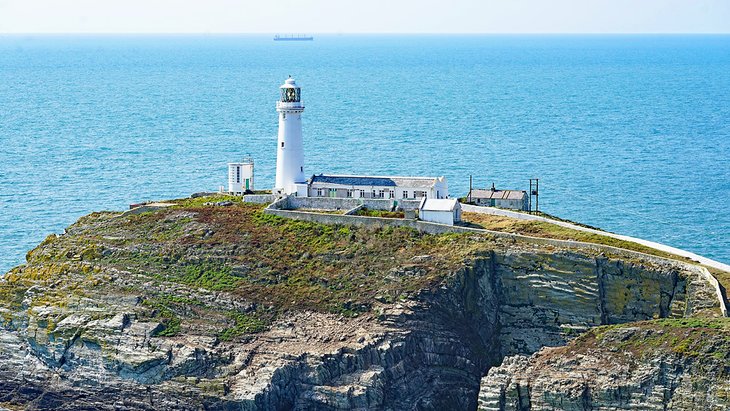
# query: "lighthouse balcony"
(289, 105)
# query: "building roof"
(382, 181)
(499, 194)
(433, 204)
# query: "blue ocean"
(627, 133)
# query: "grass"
(271, 263)
(548, 230)
(723, 277)
(164, 311)
(242, 324)
(201, 201)
(700, 338)
(320, 211)
(215, 277)
(379, 213)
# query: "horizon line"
(331, 33)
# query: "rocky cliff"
(200, 306)
(659, 365)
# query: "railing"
(293, 105)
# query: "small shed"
(510, 199)
(442, 211)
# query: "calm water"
(631, 134)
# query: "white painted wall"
(238, 173)
(290, 145)
(439, 190)
(441, 217)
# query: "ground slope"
(202, 305)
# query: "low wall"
(434, 228)
(363, 221)
(259, 198)
(329, 203)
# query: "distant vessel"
(293, 37)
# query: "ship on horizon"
(292, 37)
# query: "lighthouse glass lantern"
(290, 94)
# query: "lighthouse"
(290, 147)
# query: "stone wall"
(362, 221)
(329, 203)
(259, 198)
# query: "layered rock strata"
(113, 346)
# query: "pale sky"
(365, 16)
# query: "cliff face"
(666, 364)
(202, 306)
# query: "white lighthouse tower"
(290, 148)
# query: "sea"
(629, 133)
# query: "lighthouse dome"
(289, 83)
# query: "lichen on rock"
(197, 306)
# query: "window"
(419, 194)
(405, 193)
(238, 174)
(349, 193)
(362, 193)
(320, 192)
(282, 144)
(391, 193)
(333, 192)
(381, 193)
(301, 169)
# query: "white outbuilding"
(240, 177)
(443, 211)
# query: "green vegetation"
(210, 276)
(722, 276)
(163, 310)
(379, 213)
(548, 230)
(243, 324)
(201, 201)
(173, 259)
(701, 338)
(316, 210)
(182, 262)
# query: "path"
(662, 247)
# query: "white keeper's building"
(290, 178)
(379, 187)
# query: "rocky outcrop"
(649, 366)
(112, 328)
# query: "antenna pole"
(534, 191)
(469, 199)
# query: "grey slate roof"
(416, 182)
(499, 194)
(432, 204)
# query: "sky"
(365, 16)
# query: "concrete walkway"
(522, 216)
